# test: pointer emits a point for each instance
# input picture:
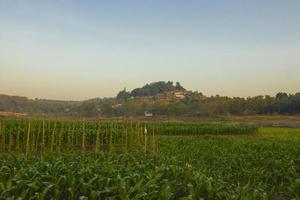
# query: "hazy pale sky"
(74, 49)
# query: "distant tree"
(178, 86)
(281, 95)
(123, 96)
(295, 104)
(237, 106)
(154, 88)
(194, 104)
(137, 92)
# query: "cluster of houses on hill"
(163, 97)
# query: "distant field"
(269, 120)
(280, 133)
(12, 114)
(292, 121)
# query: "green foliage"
(280, 133)
(116, 160)
(98, 176)
(155, 88)
(179, 128)
(159, 99)
(241, 168)
(205, 167)
(195, 104)
(37, 106)
(38, 136)
(123, 95)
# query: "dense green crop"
(39, 136)
(99, 176)
(194, 129)
(117, 160)
(253, 167)
(209, 167)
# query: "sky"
(76, 50)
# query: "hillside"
(158, 98)
(37, 106)
(152, 89)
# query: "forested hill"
(159, 98)
(151, 89)
(37, 106)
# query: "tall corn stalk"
(126, 141)
(145, 140)
(2, 132)
(28, 139)
(38, 138)
(72, 135)
(60, 136)
(141, 139)
(138, 136)
(10, 139)
(83, 137)
(52, 138)
(17, 138)
(153, 140)
(1, 135)
(69, 138)
(110, 139)
(98, 142)
(43, 136)
(32, 136)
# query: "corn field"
(195, 129)
(38, 136)
(52, 159)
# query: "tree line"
(197, 104)
(137, 103)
